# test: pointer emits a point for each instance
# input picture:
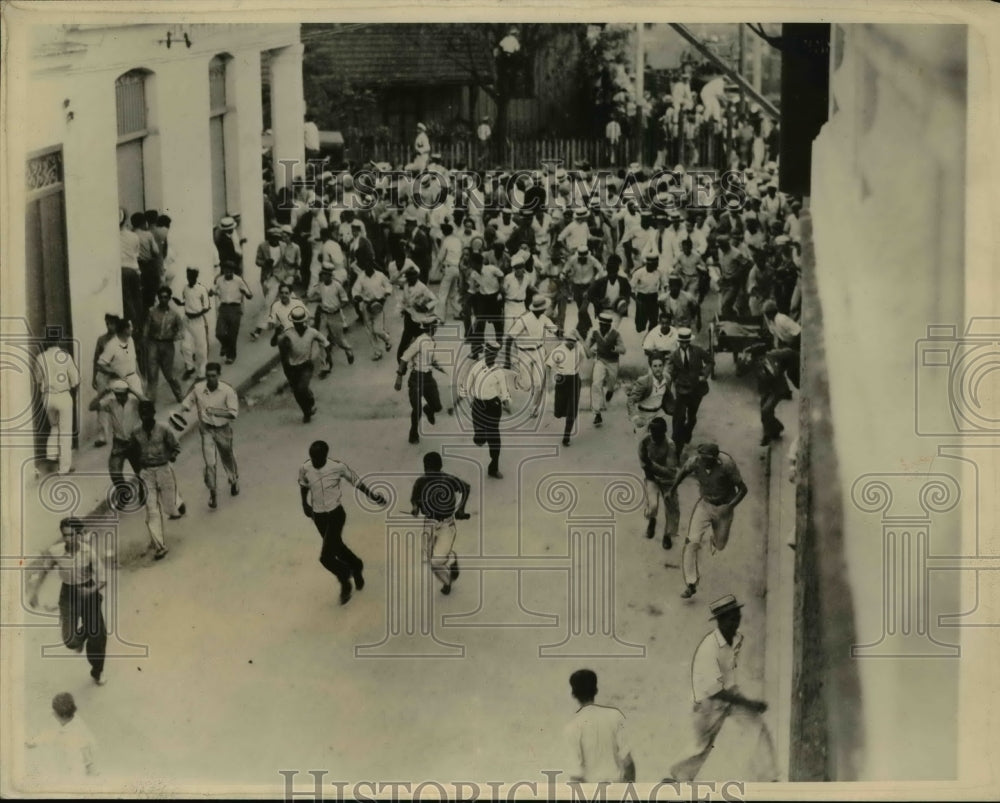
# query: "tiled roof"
(393, 54)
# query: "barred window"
(130, 93)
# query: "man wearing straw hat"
(732, 742)
(529, 332)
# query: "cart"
(738, 337)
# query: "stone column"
(287, 113)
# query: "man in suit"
(688, 369)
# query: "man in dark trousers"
(772, 385)
(440, 498)
(418, 246)
(658, 460)
(295, 346)
(164, 328)
(486, 387)
(423, 390)
(319, 484)
(688, 369)
(83, 576)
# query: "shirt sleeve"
(622, 745)
(706, 676)
(411, 351)
(303, 480)
(189, 400)
(349, 474)
(501, 379)
(232, 402)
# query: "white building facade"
(151, 116)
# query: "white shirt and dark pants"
(486, 386)
(323, 486)
(80, 616)
(421, 386)
(565, 364)
(227, 323)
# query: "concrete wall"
(888, 215)
(78, 67)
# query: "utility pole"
(758, 63)
(640, 91)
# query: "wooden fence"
(706, 149)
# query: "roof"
(394, 54)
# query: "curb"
(103, 509)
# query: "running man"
(83, 576)
(218, 406)
(319, 484)
(722, 489)
(434, 497)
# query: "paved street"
(251, 665)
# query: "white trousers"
(194, 346)
(59, 409)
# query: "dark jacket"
(693, 379)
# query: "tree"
(499, 60)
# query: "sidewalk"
(46, 498)
(780, 588)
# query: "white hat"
(519, 258)
(118, 385)
(227, 224)
(539, 303)
(421, 127)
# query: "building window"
(217, 123)
(132, 104)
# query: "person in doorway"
(57, 377)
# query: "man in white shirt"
(194, 347)
(647, 282)
(529, 333)
(296, 346)
(370, 292)
(230, 290)
(218, 406)
(57, 376)
(319, 485)
(329, 316)
(517, 288)
(280, 313)
(564, 362)
(577, 233)
(423, 390)
(71, 745)
(486, 388)
(731, 740)
(599, 748)
(449, 258)
(661, 341)
(421, 147)
(119, 360)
